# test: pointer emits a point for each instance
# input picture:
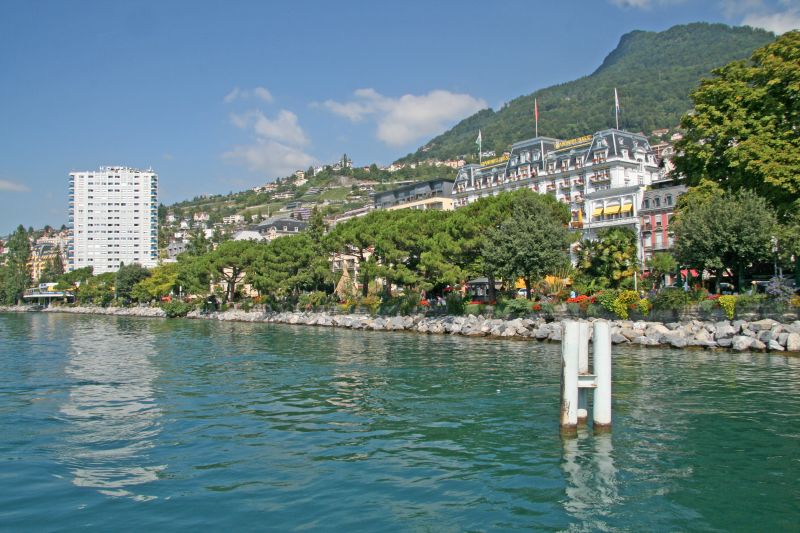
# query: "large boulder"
(762, 325)
(793, 342)
(740, 343)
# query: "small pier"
(576, 379)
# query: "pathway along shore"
(764, 335)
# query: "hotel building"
(113, 215)
(602, 177)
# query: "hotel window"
(657, 201)
(647, 203)
(669, 199)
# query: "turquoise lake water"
(123, 424)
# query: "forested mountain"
(652, 71)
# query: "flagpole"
(536, 115)
(616, 107)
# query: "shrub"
(595, 311)
(372, 303)
(795, 301)
(312, 300)
(455, 304)
(606, 299)
(409, 303)
(573, 309)
(728, 305)
(749, 302)
(644, 306)
(176, 308)
(671, 299)
(518, 307)
(707, 306)
(474, 309)
(780, 289)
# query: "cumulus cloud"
(283, 128)
(260, 93)
(277, 146)
(12, 186)
(409, 117)
(270, 156)
(780, 19)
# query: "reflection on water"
(111, 411)
(591, 477)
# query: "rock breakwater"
(737, 335)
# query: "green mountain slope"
(652, 71)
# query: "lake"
(117, 424)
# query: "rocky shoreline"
(764, 335)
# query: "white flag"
(478, 140)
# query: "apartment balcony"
(614, 222)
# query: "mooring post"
(601, 356)
(570, 344)
(583, 369)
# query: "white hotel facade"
(113, 215)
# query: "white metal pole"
(569, 376)
(583, 368)
(601, 344)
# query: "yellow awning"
(613, 210)
(597, 212)
(627, 207)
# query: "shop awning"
(597, 212)
(613, 210)
(627, 208)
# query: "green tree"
(53, 269)
(743, 131)
(163, 280)
(612, 257)
(659, 266)
(529, 244)
(229, 263)
(730, 231)
(127, 277)
(198, 243)
(16, 272)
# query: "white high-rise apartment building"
(113, 214)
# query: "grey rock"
(616, 338)
(724, 331)
(741, 343)
(793, 342)
(758, 345)
(775, 346)
(762, 325)
(725, 343)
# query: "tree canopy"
(743, 132)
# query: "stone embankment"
(737, 335)
(151, 312)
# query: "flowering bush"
(728, 305)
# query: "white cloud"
(11, 186)
(260, 93)
(270, 156)
(777, 22)
(283, 128)
(410, 117)
(644, 4)
(277, 145)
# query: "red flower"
(537, 307)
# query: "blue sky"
(220, 96)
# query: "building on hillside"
(233, 219)
(113, 214)
(273, 228)
(175, 248)
(432, 194)
(347, 215)
(248, 235)
(41, 255)
(201, 217)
